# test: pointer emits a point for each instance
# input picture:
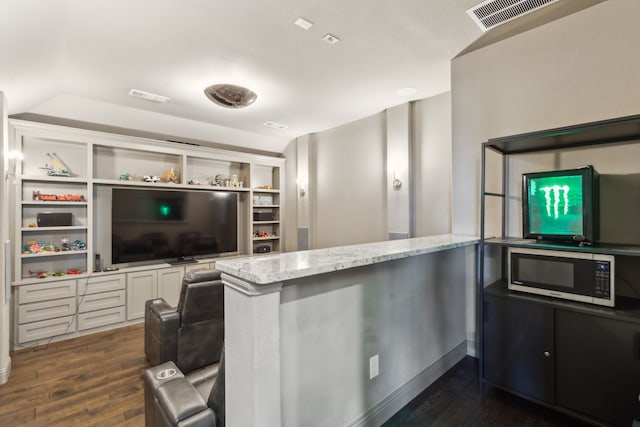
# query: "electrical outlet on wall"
(374, 367)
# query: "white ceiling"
(78, 59)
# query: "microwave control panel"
(602, 279)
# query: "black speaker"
(50, 219)
(98, 266)
(263, 249)
(263, 216)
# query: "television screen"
(171, 225)
(561, 205)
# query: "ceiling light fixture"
(230, 96)
(330, 38)
(148, 96)
(275, 125)
(303, 23)
(406, 91)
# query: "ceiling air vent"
(491, 13)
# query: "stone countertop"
(273, 268)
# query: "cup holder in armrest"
(166, 373)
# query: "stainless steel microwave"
(577, 276)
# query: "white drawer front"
(95, 285)
(46, 291)
(46, 329)
(100, 318)
(101, 301)
(46, 310)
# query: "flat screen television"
(561, 206)
(172, 225)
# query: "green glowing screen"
(555, 205)
(165, 210)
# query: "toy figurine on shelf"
(171, 176)
(61, 198)
(151, 178)
(47, 247)
(74, 271)
(78, 245)
(31, 247)
(62, 168)
(65, 244)
(261, 234)
(194, 182)
(126, 177)
(39, 274)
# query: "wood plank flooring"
(94, 380)
(455, 400)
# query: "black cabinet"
(579, 359)
(518, 347)
(598, 366)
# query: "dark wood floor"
(89, 381)
(455, 400)
(97, 381)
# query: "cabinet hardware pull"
(547, 354)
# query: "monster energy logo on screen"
(559, 192)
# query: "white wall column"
(398, 172)
(5, 360)
(303, 193)
(252, 353)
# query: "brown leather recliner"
(191, 334)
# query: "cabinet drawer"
(100, 318)
(101, 301)
(95, 285)
(46, 329)
(46, 291)
(46, 310)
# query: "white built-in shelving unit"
(75, 298)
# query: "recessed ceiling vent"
(491, 13)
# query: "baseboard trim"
(388, 406)
(5, 371)
(472, 348)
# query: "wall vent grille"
(491, 13)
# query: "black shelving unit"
(613, 131)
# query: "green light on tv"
(165, 210)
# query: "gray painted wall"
(347, 191)
(345, 171)
(432, 165)
(574, 70)
(578, 69)
(410, 312)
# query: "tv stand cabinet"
(577, 358)
(60, 291)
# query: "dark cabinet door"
(518, 347)
(598, 366)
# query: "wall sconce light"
(302, 183)
(396, 183)
(13, 157)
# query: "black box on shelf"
(263, 249)
(263, 216)
(50, 219)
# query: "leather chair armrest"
(154, 378)
(160, 307)
(179, 403)
(161, 323)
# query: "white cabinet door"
(141, 286)
(169, 280)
